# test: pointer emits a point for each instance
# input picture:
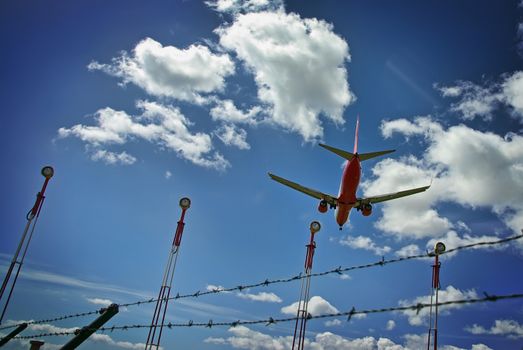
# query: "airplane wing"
(389, 196)
(313, 193)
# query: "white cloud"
(68, 281)
(512, 89)
(268, 297)
(167, 71)
(213, 288)
(225, 110)
(113, 158)
(520, 37)
(245, 338)
(298, 66)
(345, 276)
(468, 167)
(106, 339)
(475, 101)
(162, 125)
(366, 243)
(262, 296)
(450, 293)
(423, 126)
(332, 323)
(411, 216)
(480, 347)
(168, 174)
(481, 101)
(453, 240)
(317, 306)
(236, 6)
(99, 301)
(408, 250)
(95, 338)
(509, 328)
(233, 136)
(391, 325)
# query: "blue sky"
(136, 104)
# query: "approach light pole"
(156, 328)
(33, 214)
(298, 340)
(439, 248)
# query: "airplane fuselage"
(348, 187)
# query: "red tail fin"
(356, 135)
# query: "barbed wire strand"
(339, 270)
(414, 307)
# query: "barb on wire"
(415, 307)
(339, 270)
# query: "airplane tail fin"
(356, 135)
(361, 156)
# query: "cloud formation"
(159, 124)
(167, 71)
(94, 338)
(236, 6)
(455, 158)
(245, 338)
(226, 110)
(366, 243)
(113, 158)
(474, 100)
(317, 306)
(261, 296)
(453, 240)
(408, 250)
(100, 301)
(233, 136)
(450, 293)
(509, 328)
(298, 66)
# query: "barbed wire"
(352, 312)
(339, 270)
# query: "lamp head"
(47, 172)
(439, 248)
(315, 227)
(185, 203)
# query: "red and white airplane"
(347, 199)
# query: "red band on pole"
(179, 230)
(310, 253)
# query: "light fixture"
(439, 248)
(185, 203)
(47, 172)
(315, 226)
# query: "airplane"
(347, 199)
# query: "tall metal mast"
(433, 314)
(33, 214)
(298, 339)
(155, 330)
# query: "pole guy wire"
(339, 270)
(415, 307)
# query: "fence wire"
(339, 270)
(209, 324)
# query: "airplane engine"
(323, 207)
(366, 210)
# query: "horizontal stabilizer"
(340, 152)
(361, 156)
(365, 156)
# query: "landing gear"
(341, 227)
